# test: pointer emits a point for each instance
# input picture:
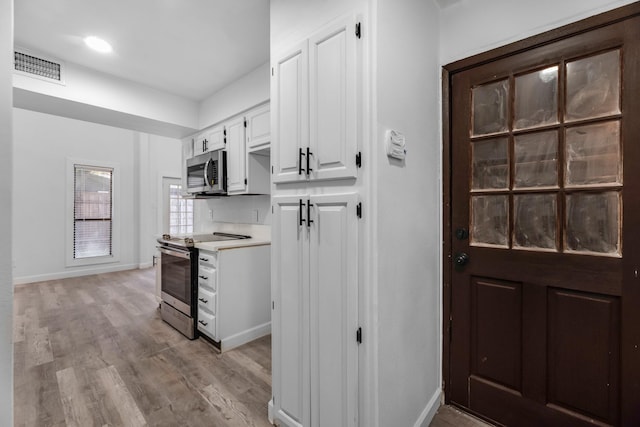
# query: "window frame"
(70, 261)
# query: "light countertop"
(260, 235)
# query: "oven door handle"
(179, 254)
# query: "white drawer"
(207, 323)
(207, 259)
(207, 300)
(207, 277)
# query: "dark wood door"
(545, 220)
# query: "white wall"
(6, 288)
(233, 209)
(473, 26)
(93, 96)
(408, 207)
(42, 143)
(246, 92)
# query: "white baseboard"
(430, 410)
(145, 265)
(245, 336)
(76, 272)
(270, 411)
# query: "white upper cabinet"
(258, 128)
(236, 155)
(332, 102)
(209, 140)
(315, 100)
(290, 100)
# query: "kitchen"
(400, 266)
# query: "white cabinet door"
(315, 316)
(215, 138)
(236, 156)
(209, 140)
(332, 99)
(290, 317)
(333, 283)
(290, 127)
(258, 128)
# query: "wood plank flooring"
(93, 351)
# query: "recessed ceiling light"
(96, 43)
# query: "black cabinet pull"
(204, 323)
(300, 203)
(300, 154)
(309, 154)
(203, 277)
(204, 259)
(309, 220)
(204, 300)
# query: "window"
(180, 211)
(92, 211)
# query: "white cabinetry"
(258, 128)
(236, 155)
(234, 295)
(248, 161)
(315, 315)
(314, 98)
(209, 140)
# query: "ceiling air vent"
(37, 67)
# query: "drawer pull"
(203, 277)
(204, 259)
(204, 300)
(203, 323)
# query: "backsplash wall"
(234, 209)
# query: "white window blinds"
(180, 212)
(92, 212)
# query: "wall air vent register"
(38, 67)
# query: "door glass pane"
(593, 86)
(593, 222)
(490, 220)
(536, 160)
(593, 154)
(490, 103)
(535, 219)
(490, 164)
(536, 99)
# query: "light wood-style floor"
(93, 351)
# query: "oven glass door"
(176, 274)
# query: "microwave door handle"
(206, 173)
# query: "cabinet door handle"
(203, 323)
(204, 259)
(309, 154)
(204, 300)
(300, 154)
(301, 203)
(203, 277)
(309, 220)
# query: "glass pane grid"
(180, 212)
(551, 181)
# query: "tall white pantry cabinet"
(315, 227)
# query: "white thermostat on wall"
(395, 144)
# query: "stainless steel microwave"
(207, 173)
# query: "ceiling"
(190, 48)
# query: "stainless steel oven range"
(179, 272)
